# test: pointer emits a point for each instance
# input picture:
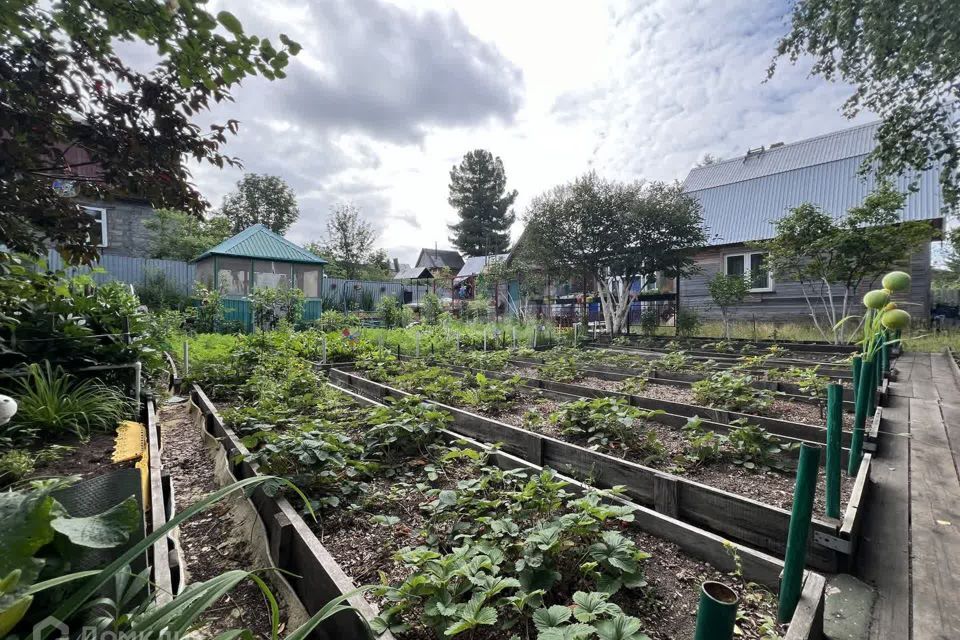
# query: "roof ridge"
(796, 143)
(779, 173)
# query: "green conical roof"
(259, 243)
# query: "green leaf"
(447, 497)
(103, 530)
(230, 23)
(621, 628)
(26, 517)
(12, 612)
(551, 617)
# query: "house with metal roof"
(256, 258)
(743, 198)
(435, 259)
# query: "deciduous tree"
(617, 233)
(831, 259)
(727, 291)
(478, 191)
(261, 199)
(903, 61)
(349, 243)
(73, 110)
(177, 235)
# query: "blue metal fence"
(130, 270)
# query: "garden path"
(910, 551)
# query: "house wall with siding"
(786, 302)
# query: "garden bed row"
(797, 346)
(739, 518)
(719, 419)
(687, 378)
(727, 361)
(320, 577)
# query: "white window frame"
(746, 269)
(99, 214)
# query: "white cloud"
(388, 95)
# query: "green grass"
(749, 331)
(927, 341)
(204, 347)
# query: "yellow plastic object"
(131, 442)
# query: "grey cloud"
(390, 73)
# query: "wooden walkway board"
(935, 524)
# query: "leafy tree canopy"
(261, 199)
(616, 233)
(349, 246)
(177, 235)
(66, 93)
(903, 60)
(727, 291)
(832, 258)
(478, 191)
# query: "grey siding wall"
(127, 234)
(786, 303)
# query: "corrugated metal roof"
(260, 243)
(439, 258)
(743, 197)
(413, 273)
(475, 265)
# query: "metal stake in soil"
(186, 357)
(861, 405)
(795, 558)
(834, 433)
(717, 612)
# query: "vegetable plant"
(609, 423)
(562, 369)
(705, 446)
(755, 449)
(731, 391)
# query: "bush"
(53, 401)
(159, 292)
(393, 314)
(688, 322)
(430, 309)
(649, 321)
(272, 305)
(334, 320)
(207, 315)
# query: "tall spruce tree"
(478, 191)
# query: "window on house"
(752, 266)
(98, 232)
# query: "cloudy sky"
(387, 95)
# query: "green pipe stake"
(791, 584)
(860, 417)
(834, 434)
(872, 397)
(857, 365)
(717, 612)
(885, 351)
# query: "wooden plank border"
(733, 516)
(314, 575)
(290, 537)
(164, 588)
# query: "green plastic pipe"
(796, 555)
(885, 352)
(857, 366)
(860, 417)
(834, 434)
(717, 612)
(877, 374)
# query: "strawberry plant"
(705, 446)
(609, 423)
(490, 394)
(562, 369)
(755, 449)
(731, 391)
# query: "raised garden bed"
(799, 346)
(676, 402)
(739, 518)
(678, 545)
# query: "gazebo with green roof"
(254, 258)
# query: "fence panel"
(130, 270)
